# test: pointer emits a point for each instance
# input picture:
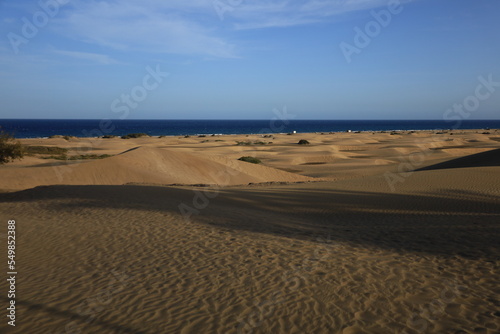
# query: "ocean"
(37, 128)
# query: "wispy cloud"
(267, 14)
(186, 27)
(151, 26)
(93, 57)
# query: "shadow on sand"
(75, 321)
(459, 224)
(483, 159)
(464, 224)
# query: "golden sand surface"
(353, 233)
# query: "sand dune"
(310, 258)
(148, 165)
(347, 255)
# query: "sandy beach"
(352, 233)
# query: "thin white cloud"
(93, 57)
(288, 13)
(192, 27)
(151, 26)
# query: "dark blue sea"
(36, 128)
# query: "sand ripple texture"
(121, 259)
(345, 256)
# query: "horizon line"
(244, 119)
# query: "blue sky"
(240, 59)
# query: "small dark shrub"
(303, 142)
(250, 160)
(135, 135)
(248, 143)
(10, 149)
(89, 156)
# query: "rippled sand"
(362, 244)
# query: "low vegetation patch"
(249, 143)
(63, 137)
(108, 136)
(78, 157)
(30, 150)
(135, 135)
(10, 149)
(251, 160)
(303, 142)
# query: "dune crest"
(148, 165)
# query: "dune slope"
(147, 165)
(332, 257)
(488, 158)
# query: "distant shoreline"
(36, 128)
(208, 135)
